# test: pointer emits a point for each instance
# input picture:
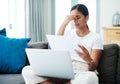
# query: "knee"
(25, 70)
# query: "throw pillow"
(3, 32)
(12, 54)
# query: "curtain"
(38, 19)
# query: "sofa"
(108, 68)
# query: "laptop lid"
(51, 63)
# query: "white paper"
(69, 43)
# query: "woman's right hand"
(64, 24)
(68, 18)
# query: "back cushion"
(118, 70)
(39, 45)
(108, 63)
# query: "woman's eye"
(77, 17)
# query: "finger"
(72, 17)
(75, 18)
(78, 52)
(82, 55)
(83, 48)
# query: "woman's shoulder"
(94, 34)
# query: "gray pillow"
(39, 45)
(108, 63)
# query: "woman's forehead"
(75, 12)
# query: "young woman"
(90, 44)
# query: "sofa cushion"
(3, 32)
(108, 64)
(118, 70)
(12, 54)
(40, 45)
(11, 79)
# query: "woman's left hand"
(84, 54)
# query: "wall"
(107, 9)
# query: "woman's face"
(79, 19)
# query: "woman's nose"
(75, 20)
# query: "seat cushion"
(11, 79)
(108, 63)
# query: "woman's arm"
(64, 24)
(92, 59)
(61, 29)
(95, 57)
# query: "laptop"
(51, 63)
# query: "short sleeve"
(98, 44)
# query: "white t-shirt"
(90, 41)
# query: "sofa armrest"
(108, 63)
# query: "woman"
(91, 46)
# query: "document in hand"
(69, 43)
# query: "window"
(3, 14)
(16, 17)
(12, 18)
(62, 9)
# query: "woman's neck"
(82, 32)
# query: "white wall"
(107, 9)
